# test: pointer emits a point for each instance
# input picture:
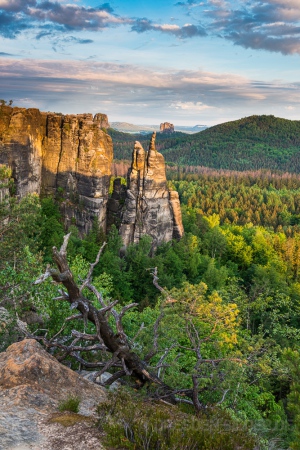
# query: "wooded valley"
(229, 311)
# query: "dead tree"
(115, 344)
(105, 338)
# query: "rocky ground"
(32, 384)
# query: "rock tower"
(150, 207)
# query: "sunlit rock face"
(68, 156)
(150, 207)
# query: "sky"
(188, 62)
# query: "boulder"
(32, 384)
(28, 371)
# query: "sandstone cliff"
(150, 207)
(50, 153)
(70, 157)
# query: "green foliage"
(70, 404)
(141, 425)
(292, 358)
(5, 173)
(263, 198)
(19, 227)
(250, 143)
(233, 285)
(111, 183)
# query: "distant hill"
(251, 143)
(125, 127)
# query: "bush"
(70, 404)
(137, 424)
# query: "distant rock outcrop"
(166, 127)
(150, 207)
(51, 153)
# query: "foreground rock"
(32, 384)
(150, 207)
(66, 155)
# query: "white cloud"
(191, 106)
(123, 90)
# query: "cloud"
(186, 31)
(117, 89)
(74, 17)
(50, 17)
(271, 25)
(18, 15)
(131, 76)
(16, 5)
(11, 26)
(190, 106)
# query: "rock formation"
(166, 127)
(70, 157)
(32, 384)
(51, 153)
(150, 207)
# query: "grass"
(68, 419)
(70, 404)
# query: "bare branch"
(44, 276)
(90, 365)
(89, 275)
(138, 332)
(63, 248)
(126, 370)
(162, 290)
(86, 337)
(114, 377)
(108, 307)
(126, 308)
(75, 316)
(224, 395)
(155, 280)
(61, 297)
(163, 357)
(97, 293)
(154, 349)
(107, 366)
(118, 319)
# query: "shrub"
(136, 424)
(70, 404)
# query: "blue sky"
(184, 61)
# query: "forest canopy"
(234, 281)
(251, 143)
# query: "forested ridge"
(231, 319)
(251, 143)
